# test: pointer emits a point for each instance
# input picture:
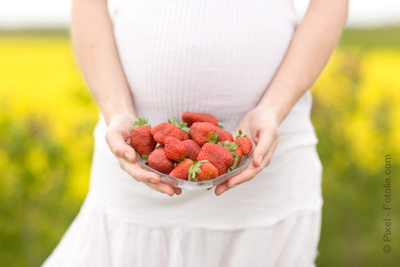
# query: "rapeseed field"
(47, 117)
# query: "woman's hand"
(117, 137)
(262, 126)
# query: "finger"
(118, 145)
(251, 171)
(138, 173)
(270, 153)
(266, 140)
(177, 190)
(220, 189)
(244, 176)
(163, 188)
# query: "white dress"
(213, 56)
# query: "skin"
(314, 41)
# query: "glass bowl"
(197, 185)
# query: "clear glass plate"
(197, 185)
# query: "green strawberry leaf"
(182, 159)
(220, 126)
(182, 126)
(236, 157)
(141, 122)
(240, 134)
(145, 157)
(213, 137)
(195, 168)
(230, 146)
(233, 146)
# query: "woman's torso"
(216, 57)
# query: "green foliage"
(45, 147)
(356, 104)
(35, 207)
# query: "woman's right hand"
(117, 137)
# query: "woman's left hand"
(262, 126)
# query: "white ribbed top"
(205, 56)
(215, 56)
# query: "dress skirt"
(98, 238)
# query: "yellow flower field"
(47, 116)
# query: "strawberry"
(244, 142)
(224, 135)
(181, 170)
(236, 151)
(183, 127)
(161, 131)
(158, 160)
(141, 139)
(175, 149)
(219, 156)
(191, 117)
(202, 170)
(193, 149)
(186, 135)
(203, 132)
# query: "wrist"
(109, 116)
(276, 109)
(280, 98)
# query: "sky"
(56, 13)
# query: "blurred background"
(47, 117)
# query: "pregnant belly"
(205, 56)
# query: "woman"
(246, 62)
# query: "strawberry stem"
(213, 137)
(194, 169)
(236, 157)
(182, 126)
(141, 122)
(240, 134)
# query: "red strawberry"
(244, 142)
(193, 149)
(224, 135)
(158, 160)
(175, 148)
(183, 127)
(161, 131)
(202, 170)
(236, 151)
(186, 136)
(191, 117)
(181, 170)
(141, 139)
(219, 156)
(203, 132)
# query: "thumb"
(119, 147)
(266, 139)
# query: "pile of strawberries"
(197, 149)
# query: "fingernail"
(260, 158)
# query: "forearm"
(93, 40)
(312, 44)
